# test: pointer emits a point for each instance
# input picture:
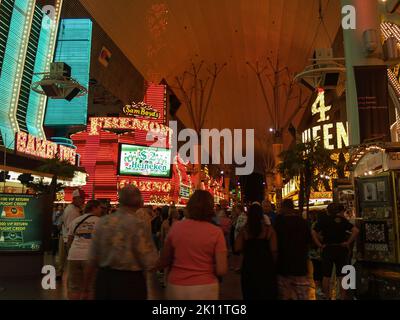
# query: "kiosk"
(376, 171)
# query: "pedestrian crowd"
(122, 253)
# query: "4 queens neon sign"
(333, 135)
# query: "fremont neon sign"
(33, 146)
(333, 135)
(96, 124)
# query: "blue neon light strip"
(9, 70)
(36, 100)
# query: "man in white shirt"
(79, 239)
(71, 212)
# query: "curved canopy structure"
(162, 38)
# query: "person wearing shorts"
(79, 240)
(334, 235)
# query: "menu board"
(20, 223)
(144, 161)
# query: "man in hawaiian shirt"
(122, 251)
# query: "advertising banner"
(144, 161)
(373, 104)
(21, 223)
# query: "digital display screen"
(184, 192)
(144, 161)
(20, 223)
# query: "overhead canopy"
(162, 38)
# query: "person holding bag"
(79, 240)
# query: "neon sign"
(33, 146)
(322, 109)
(333, 135)
(96, 124)
(142, 110)
(147, 186)
(145, 161)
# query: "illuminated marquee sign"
(96, 124)
(333, 135)
(141, 110)
(30, 145)
(322, 109)
(148, 186)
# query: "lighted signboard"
(147, 186)
(96, 124)
(20, 223)
(141, 110)
(33, 146)
(144, 161)
(184, 192)
(333, 135)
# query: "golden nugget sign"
(333, 135)
(30, 145)
(141, 109)
(96, 124)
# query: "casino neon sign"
(96, 124)
(333, 135)
(141, 109)
(147, 186)
(40, 148)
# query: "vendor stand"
(376, 171)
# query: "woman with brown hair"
(195, 252)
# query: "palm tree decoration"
(311, 163)
(58, 169)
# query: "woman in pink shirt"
(195, 252)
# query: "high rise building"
(27, 44)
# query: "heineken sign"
(144, 161)
(141, 110)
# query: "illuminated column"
(367, 18)
(30, 7)
(12, 70)
(45, 53)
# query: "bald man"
(122, 251)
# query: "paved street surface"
(31, 289)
